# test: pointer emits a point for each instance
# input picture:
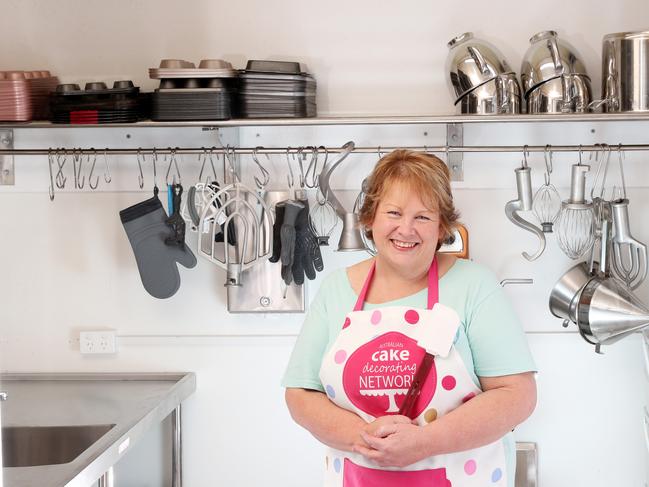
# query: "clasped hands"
(392, 441)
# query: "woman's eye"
(423, 217)
(393, 213)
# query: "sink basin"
(29, 446)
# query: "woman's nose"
(407, 226)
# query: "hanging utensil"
(350, 237)
(323, 219)
(547, 201)
(606, 309)
(575, 224)
(629, 259)
(235, 206)
(524, 203)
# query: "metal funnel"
(565, 292)
(607, 311)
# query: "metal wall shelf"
(356, 120)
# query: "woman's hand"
(375, 427)
(396, 444)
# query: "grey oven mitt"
(146, 229)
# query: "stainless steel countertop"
(133, 402)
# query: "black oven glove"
(147, 231)
(287, 238)
(277, 226)
(307, 257)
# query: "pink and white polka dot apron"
(369, 370)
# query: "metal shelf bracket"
(455, 138)
(7, 177)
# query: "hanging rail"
(358, 150)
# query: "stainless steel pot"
(547, 58)
(472, 62)
(567, 93)
(501, 95)
(625, 72)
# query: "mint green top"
(490, 341)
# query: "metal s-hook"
(526, 153)
(140, 160)
(602, 168)
(172, 160)
(261, 184)
(581, 151)
(77, 158)
(154, 160)
(311, 169)
(299, 156)
(92, 171)
(290, 178)
(620, 158)
(50, 163)
(107, 177)
(547, 154)
(61, 158)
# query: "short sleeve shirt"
(490, 340)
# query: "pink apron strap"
(366, 286)
(433, 286)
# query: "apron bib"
(369, 370)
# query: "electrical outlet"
(98, 342)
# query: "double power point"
(98, 342)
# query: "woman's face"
(405, 231)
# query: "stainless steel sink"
(28, 446)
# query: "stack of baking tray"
(276, 89)
(190, 93)
(24, 95)
(96, 104)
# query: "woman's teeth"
(404, 245)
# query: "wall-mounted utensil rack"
(454, 147)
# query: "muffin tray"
(276, 89)
(24, 95)
(191, 104)
(178, 69)
(96, 117)
(96, 103)
(280, 67)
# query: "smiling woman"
(411, 366)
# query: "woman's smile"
(399, 244)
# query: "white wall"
(67, 265)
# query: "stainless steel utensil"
(472, 62)
(566, 291)
(547, 201)
(323, 219)
(239, 208)
(575, 224)
(549, 57)
(629, 255)
(500, 95)
(605, 309)
(567, 93)
(350, 237)
(625, 72)
(524, 203)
